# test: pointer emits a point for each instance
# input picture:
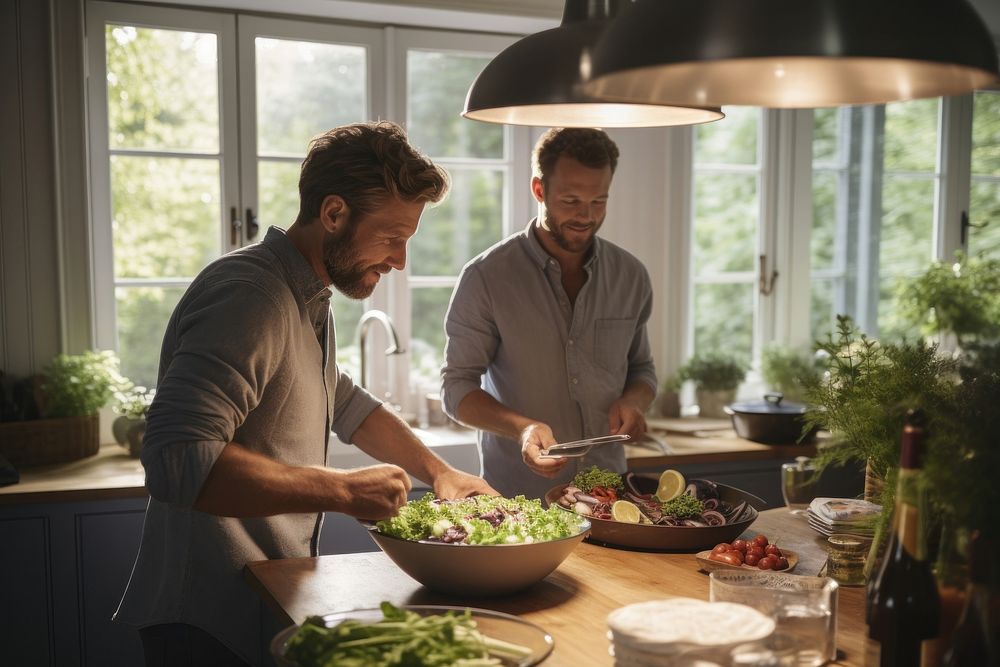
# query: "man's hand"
(534, 438)
(374, 492)
(457, 484)
(625, 417)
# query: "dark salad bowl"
(669, 538)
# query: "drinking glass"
(804, 610)
(798, 482)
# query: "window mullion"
(954, 166)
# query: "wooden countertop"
(112, 473)
(571, 603)
(691, 440)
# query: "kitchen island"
(571, 604)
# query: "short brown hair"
(590, 147)
(366, 164)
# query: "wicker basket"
(42, 441)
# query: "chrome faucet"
(390, 331)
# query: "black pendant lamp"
(538, 81)
(792, 53)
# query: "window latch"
(235, 225)
(766, 283)
(965, 227)
(252, 225)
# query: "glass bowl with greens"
(478, 546)
(428, 635)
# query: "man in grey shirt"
(236, 439)
(547, 329)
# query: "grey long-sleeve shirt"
(513, 333)
(248, 356)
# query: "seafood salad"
(603, 494)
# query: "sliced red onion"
(713, 518)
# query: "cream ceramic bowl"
(478, 570)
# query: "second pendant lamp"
(792, 53)
(539, 79)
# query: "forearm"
(386, 437)
(480, 410)
(640, 394)
(244, 483)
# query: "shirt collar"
(304, 280)
(541, 257)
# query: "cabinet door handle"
(252, 225)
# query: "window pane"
(911, 131)
(305, 88)
(151, 102)
(732, 140)
(725, 230)
(346, 315)
(165, 215)
(277, 194)
(468, 221)
(823, 241)
(985, 208)
(822, 314)
(429, 306)
(906, 244)
(723, 316)
(986, 134)
(436, 87)
(826, 135)
(142, 318)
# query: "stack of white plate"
(683, 631)
(843, 515)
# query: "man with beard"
(547, 329)
(236, 439)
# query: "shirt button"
(575, 381)
(570, 341)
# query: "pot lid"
(773, 404)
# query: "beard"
(576, 245)
(347, 273)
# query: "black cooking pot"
(770, 421)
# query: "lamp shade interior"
(791, 53)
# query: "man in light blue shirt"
(546, 330)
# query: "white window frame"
(98, 15)
(394, 372)
(236, 33)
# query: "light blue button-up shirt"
(513, 332)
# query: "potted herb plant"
(131, 404)
(789, 371)
(62, 424)
(669, 400)
(716, 377)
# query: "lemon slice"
(671, 485)
(624, 511)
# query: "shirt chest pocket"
(612, 340)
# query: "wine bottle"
(903, 606)
(976, 639)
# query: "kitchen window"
(183, 173)
(886, 197)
